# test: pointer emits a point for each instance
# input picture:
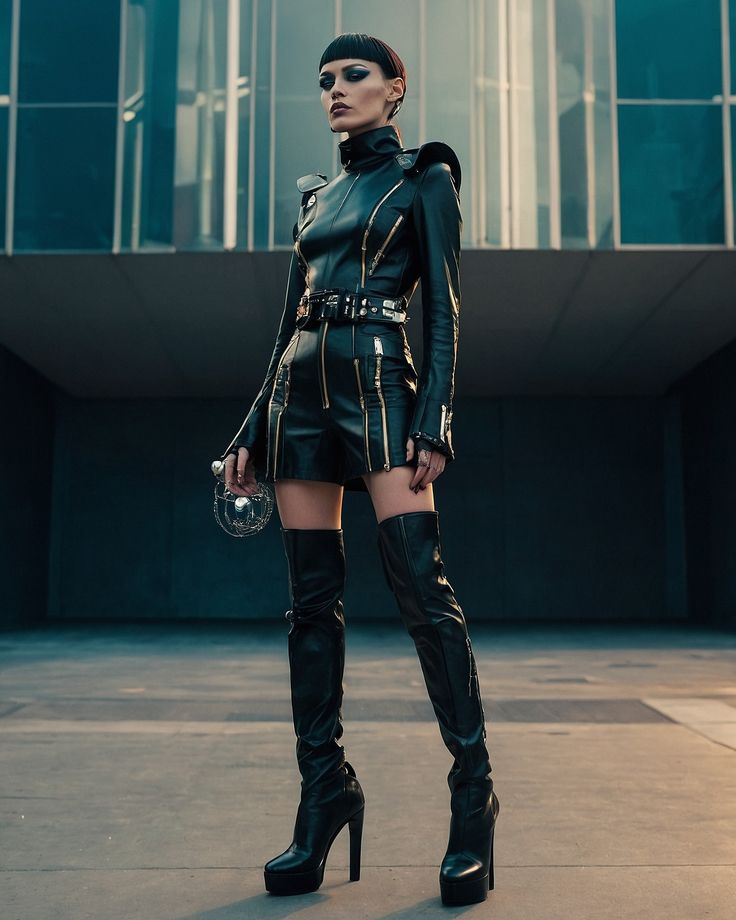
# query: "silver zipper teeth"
(364, 410)
(474, 674)
(278, 420)
(367, 230)
(443, 419)
(379, 255)
(378, 346)
(299, 255)
(268, 416)
(323, 374)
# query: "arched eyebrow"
(324, 73)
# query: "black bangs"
(360, 45)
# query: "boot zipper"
(368, 226)
(364, 410)
(379, 254)
(323, 374)
(471, 664)
(378, 345)
(474, 674)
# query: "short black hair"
(369, 48)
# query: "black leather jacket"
(389, 219)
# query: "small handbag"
(240, 515)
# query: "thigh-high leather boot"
(331, 795)
(411, 553)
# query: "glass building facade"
(156, 125)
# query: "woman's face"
(363, 96)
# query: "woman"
(343, 407)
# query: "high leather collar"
(369, 147)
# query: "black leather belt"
(342, 305)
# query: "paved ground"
(149, 772)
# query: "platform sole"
(286, 883)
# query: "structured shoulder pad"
(311, 182)
(415, 159)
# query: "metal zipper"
(474, 674)
(301, 258)
(379, 254)
(378, 346)
(323, 374)
(443, 419)
(364, 410)
(278, 420)
(367, 230)
(268, 416)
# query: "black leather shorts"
(342, 403)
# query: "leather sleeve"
(438, 224)
(252, 433)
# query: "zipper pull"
(378, 344)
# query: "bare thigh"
(390, 493)
(307, 504)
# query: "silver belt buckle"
(332, 302)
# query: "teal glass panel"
(69, 51)
(200, 125)
(6, 9)
(303, 142)
(246, 128)
(668, 49)
(149, 124)
(671, 174)
(732, 39)
(64, 179)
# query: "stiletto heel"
(356, 834)
(331, 795)
(490, 865)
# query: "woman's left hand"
(431, 463)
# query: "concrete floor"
(149, 772)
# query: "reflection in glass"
(200, 124)
(584, 107)
(301, 133)
(671, 167)
(149, 108)
(65, 170)
(520, 90)
(246, 128)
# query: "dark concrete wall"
(558, 507)
(26, 451)
(708, 399)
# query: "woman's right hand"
(240, 479)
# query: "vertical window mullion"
(117, 214)
(232, 72)
(615, 170)
(503, 109)
(12, 126)
(727, 137)
(555, 214)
